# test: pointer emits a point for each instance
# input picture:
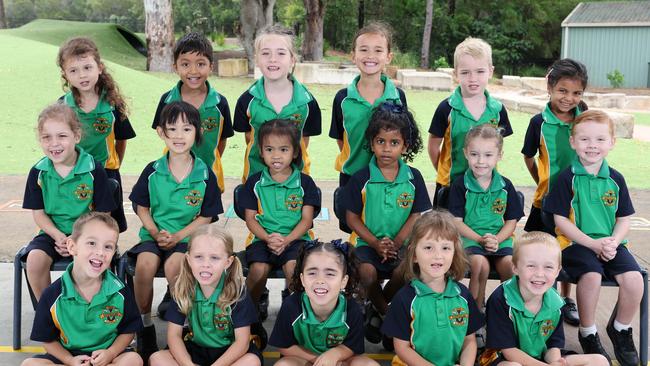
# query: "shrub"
(616, 78)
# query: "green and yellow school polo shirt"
(253, 109)
(210, 326)
(451, 122)
(216, 125)
(297, 325)
(85, 189)
(511, 325)
(484, 210)
(385, 206)
(175, 205)
(63, 315)
(279, 204)
(591, 202)
(424, 317)
(350, 118)
(550, 136)
(102, 127)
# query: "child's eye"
(268, 149)
(187, 129)
(214, 258)
(446, 248)
(284, 149)
(91, 243)
(108, 247)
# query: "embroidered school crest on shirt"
(547, 328)
(101, 125)
(458, 317)
(83, 192)
(334, 339)
(499, 206)
(193, 198)
(221, 322)
(296, 118)
(293, 202)
(110, 314)
(404, 200)
(209, 124)
(609, 198)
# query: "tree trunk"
(426, 35)
(159, 29)
(3, 19)
(312, 45)
(361, 14)
(253, 16)
(451, 7)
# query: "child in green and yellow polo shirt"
(62, 186)
(321, 323)
(591, 206)
(468, 106)
(433, 318)
(276, 95)
(193, 64)
(88, 316)
(524, 320)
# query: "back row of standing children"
(376, 134)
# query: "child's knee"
(367, 273)
(146, 264)
(38, 260)
(173, 264)
(128, 359)
(590, 279)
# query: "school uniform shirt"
(63, 315)
(511, 325)
(424, 318)
(210, 326)
(549, 136)
(484, 210)
(591, 202)
(279, 205)
(102, 127)
(297, 325)
(175, 205)
(385, 206)
(452, 121)
(253, 109)
(350, 118)
(216, 125)
(85, 189)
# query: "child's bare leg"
(565, 289)
(630, 291)
(480, 270)
(393, 285)
(36, 362)
(509, 363)
(256, 279)
(127, 359)
(38, 271)
(146, 267)
(248, 359)
(587, 293)
(503, 266)
(359, 361)
(173, 268)
(586, 360)
(292, 361)
(288, 269)
(162, 358)
(369, 281)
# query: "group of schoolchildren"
(90, 317)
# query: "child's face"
(208, 259)
(434, 256)
(388, 147)
(179, 137)
(193, 69)
(274, 57)
(278, 153)
(93, 249)
(592, 142)
(472, 74)
(82, 72)
(565, 95)
(323, 278)
(371, 54)
(482, 156)
(537, 268)
(58, 141)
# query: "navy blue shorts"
(207, 356)
(45, 243)
(258, 251)
(474, 250)
(344, 179)
(118, 213)
(47, 356)
(366, 254)
(578, 260)
(150, 246)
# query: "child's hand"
(61, 244)
(163, 238)
(101, 357)
(275, 242)
(328, 358)
(490, 242)
(384, 247)
(560, 362)
(81, 360)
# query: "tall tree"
(253, 16)
(3, 20)
(159, 30)
(312, 45)
(426, 35)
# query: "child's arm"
(406, 229)
(507, 230)
(186, 231)
(305, 223)
(421, 203)
(144, 214)
(333, 356)
(56, 349)
(553, 356)
(521, 357)
(514, 212)
(44, 222)
(237, 349)
(102, 357)
(254, 226)
(407, 354)
(120, 149)
(383, 246)
(221, 147)
(573, 233)
(621, 228)
(299, 352)
(531, 165)
(434, 149)
(176, 344)
(468, 351)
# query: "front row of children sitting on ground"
(321, 322)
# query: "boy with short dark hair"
(193, 64)
(591, 207)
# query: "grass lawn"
(31, 81)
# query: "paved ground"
(20, 229)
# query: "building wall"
(604, 49)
